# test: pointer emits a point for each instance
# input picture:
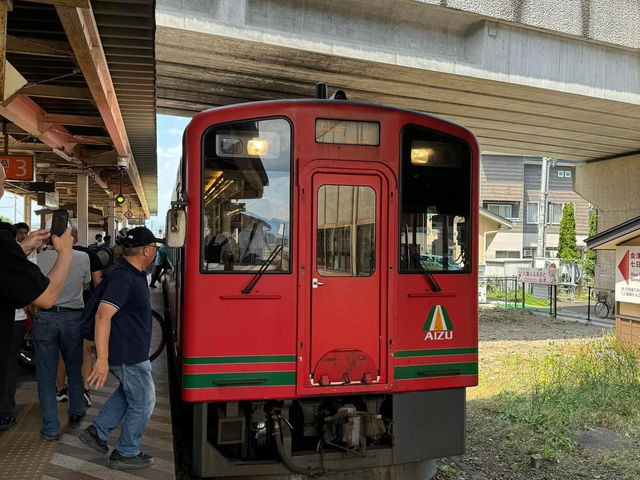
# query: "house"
(510, 187)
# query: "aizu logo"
(438, 324)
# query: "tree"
(5, 219)
(590, 258)
(567, 247)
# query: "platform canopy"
(79, 96)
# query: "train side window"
(435, 202)
(346, 231)
(246, 197)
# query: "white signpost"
(539, 276)
(628, 274)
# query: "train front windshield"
(246, 196)
(435, 202)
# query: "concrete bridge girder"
(521, 90)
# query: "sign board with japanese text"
(18, 167)
(628, 274)
(539, 276)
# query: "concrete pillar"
(82, 201)
(27, 210)
(111, 218)
(610, 186)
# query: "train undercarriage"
(380, 436)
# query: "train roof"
(309, 101)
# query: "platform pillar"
(82, 205)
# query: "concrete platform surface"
(25, 455)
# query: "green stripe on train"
(244, 379)
(416, 372)
(240, 359)
(434, 351)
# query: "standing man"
(162, 265)
(95, 265)
(57, 329)
(123, 336)
(24, 284)
(98, 241)
(22, 230)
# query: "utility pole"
(542, 207)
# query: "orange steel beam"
(28, 115)
(82, 33)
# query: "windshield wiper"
(256, 278)
(430, 278)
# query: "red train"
(325, 297)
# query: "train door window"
(246, 197)
(435, 202)
(346, 231)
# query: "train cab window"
(435, 202)
(246, 197)
(346, 231)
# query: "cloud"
(175, 131)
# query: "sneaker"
(87, 398)
(89, 436)
(7, 422)
(50, 438)
(62, 395)
(118, 462)
(75, 419)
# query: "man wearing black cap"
(123, 336)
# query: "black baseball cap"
(139, 237)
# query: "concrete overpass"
(536, 77)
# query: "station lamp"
(120, 199)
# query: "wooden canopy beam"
(82, 33)
(76, 120)
(39, 47)
(65, 3)
(56, 91)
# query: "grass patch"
(545, 399)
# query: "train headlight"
(258, 146)
(421, 155)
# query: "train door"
(348, 271)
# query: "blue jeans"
(55, 332)
(133, 401)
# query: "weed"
(563, 391)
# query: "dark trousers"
(158, 270)
(11, 337)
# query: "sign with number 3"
(18, 167)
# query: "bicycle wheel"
(601, 309)
(158, 339)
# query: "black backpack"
(88, 317)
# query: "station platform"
(25, 455)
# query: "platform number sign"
(128, 214)
(18, 167)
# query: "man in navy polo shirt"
(123, 336)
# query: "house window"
(506, 210)
(532, 212)
(554, 213)
(567, 174)
(552, 252)
(529, 252)
(561, 173)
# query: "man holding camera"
(24, 284)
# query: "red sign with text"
(18, 167)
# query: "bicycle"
(602, 306)
(158, 341)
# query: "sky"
(169, 132)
